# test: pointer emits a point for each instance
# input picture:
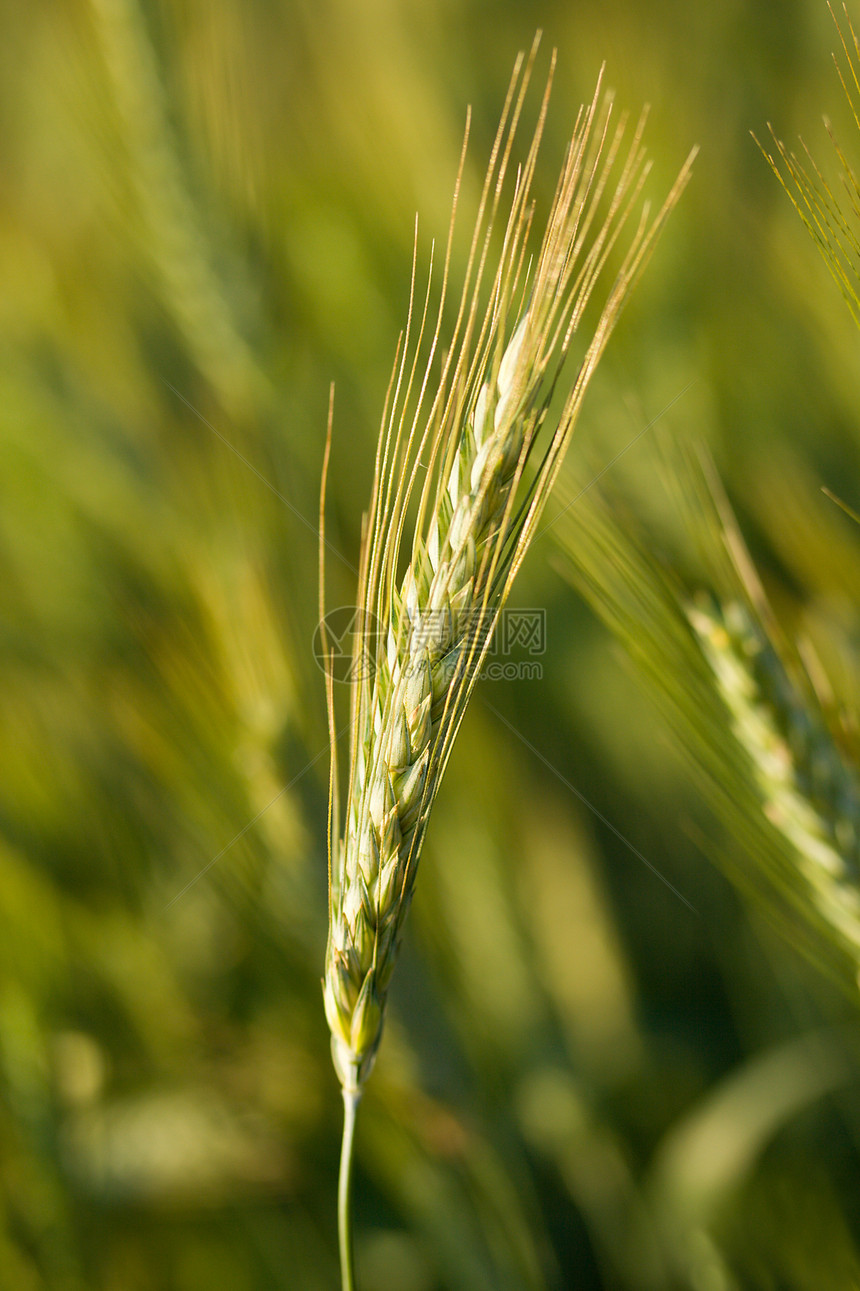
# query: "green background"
(206, 217)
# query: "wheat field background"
(603, 1068)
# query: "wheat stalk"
(472, 427)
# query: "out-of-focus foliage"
(206, 215)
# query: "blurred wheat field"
(619, 1075)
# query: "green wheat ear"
(475, 518)
(808, 790)
(451, 471)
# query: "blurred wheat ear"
(809, 791)
(761, 731)
(833, 232)
(812, 195)
(455, 469)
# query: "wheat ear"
(468, 422)
(752, 716)
(808, 790)
(810, 192)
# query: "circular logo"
(346, 643)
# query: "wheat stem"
(351, 1100)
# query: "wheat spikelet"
(475, 517)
